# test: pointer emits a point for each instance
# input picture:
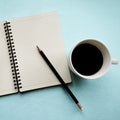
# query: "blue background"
(79, 19)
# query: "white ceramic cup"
(107, 60)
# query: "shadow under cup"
(90, 59)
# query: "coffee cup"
(90, 59)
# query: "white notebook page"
(44, 31)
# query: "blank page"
(42, 30)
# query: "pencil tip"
(38, 48)
(80, 107)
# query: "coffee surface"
(87, 59)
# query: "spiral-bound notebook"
(21, 66)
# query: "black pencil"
(59, 77)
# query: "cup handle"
(114, 61)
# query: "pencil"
(59, 78)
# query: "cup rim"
(94, 76)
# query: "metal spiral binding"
(12, 56)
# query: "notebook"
(21, 67)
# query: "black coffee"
(87, 59)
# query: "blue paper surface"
(79, 19)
